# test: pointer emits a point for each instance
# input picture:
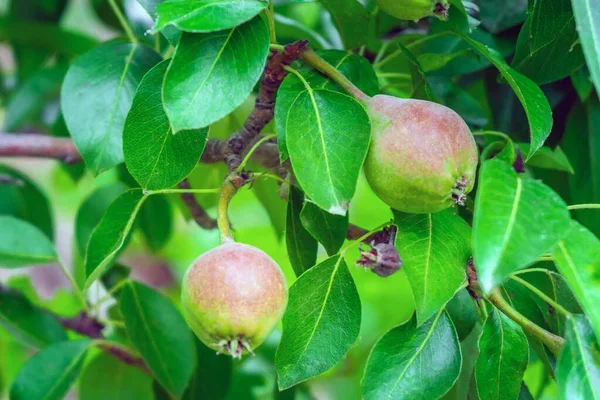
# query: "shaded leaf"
(577, 257)
(156, 221)
(351, 19)
(92, 209)
(22, 244)
(96, 96)
(28, 323)
(107, 376)
(25, 201)
(211, 74)
(583, 150)
(330, 230)
(414, 363)
(548, 158)
(498, 15)
(32, 95)
(300, 244)
(51, 372)
(434, 250)
(517, 219)
(212, 376)
(503, 358)
(159, 333)
(529, 94)
(463, 313)
(323, 313)
(109, 236)
(548, 46)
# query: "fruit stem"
(541, 295)
(583, 206)
(230, 187)
(554, 342)
(313, 59)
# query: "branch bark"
(198, 213)
(33, 145)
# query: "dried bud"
(382, 258)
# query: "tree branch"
(92, 328)
(264, 105)
(32, 145)
(198, 213)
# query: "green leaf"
(108, 377)
(51, 372)
(109, 236)
(330, 230)
(159, 333)
(22, 244)
(92, 209)
(155, 157)
(578, 365)
(529, 94)
(498, 15)
(547, 158)
(356, 68)
(212, 377)
(96, 96)
(434, 249)
(301, 245)
(351, 19)
(28, 323)
(463, 313)
(25, 201)
(517, 220)
(503, 358)
(211, 74)
(548, 47)
(327, 135)
(156, 221)
(582, 147)
(577, 257)
(323, 313)
(29, 99)
(207, 15)
(410, 362)
(267, 192)
(588, 25)
(45, 37)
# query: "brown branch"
(92, 328)
(88, 326)
(198, 213)
(264, 105)
(31, 145)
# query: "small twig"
(31, 145)
(92, 328)
(196, 210)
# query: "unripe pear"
(233, 296)
(414, 10)
(422, 157)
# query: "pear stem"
(313, 59)
(230, 187)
